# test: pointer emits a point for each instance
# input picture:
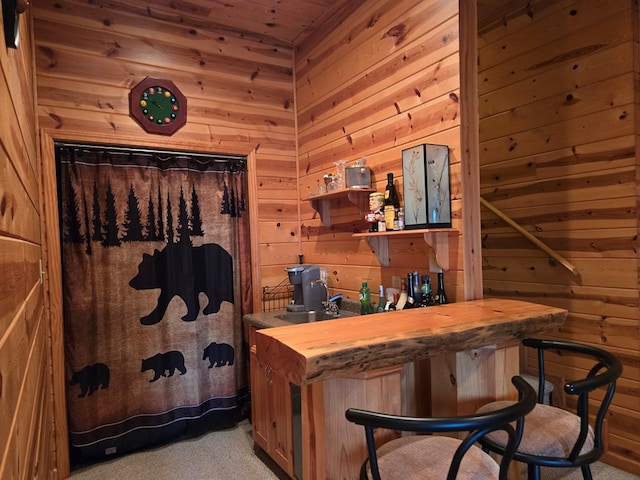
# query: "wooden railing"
(557, 257)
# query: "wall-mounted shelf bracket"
(380, 245)
(439, 255)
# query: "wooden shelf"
(436, 238)
(322, 203)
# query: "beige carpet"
(229, 455)
(223, 455)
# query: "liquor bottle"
(381, 302)
(426, 291)
(365, 300)
(410, 293)
(415, 289)
(391, 202)
(411, 302)
(441, 295)
(394, 302)
(402, 301)
(400, 219)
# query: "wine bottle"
(441, 295)
(391, 202)
(417, 293)
(381, 302)
(410, 293)
(427, 294)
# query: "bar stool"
(555, 437)
(437, 456)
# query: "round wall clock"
(158, 106)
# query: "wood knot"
(7, 205)
(399, 32)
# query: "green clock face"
(158, 106)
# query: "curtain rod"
(215, 157)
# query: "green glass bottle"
(365, 300)
(427, 294)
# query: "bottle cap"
(364, 284)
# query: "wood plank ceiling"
(286, 22)
(274, 21)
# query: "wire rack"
(277, 297)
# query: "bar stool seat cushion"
(548, 431)
(429, 456)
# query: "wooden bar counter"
(367, 362)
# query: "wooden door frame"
(52, 263)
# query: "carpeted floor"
(226, 454)
(229, 455)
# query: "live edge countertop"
(311, 352)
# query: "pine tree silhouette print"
(150, 226)
(196, 218)
(183, 221)
(72, 225)
(132, 226)
(110, 227)
(95, 215)
(225, 207)
(160, 230)
(87, 235)
(169, 221)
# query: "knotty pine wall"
(558, 88)
(388, 77)
(239, 91)
(385, 79)
(87, 58)
(240, 100)
(26, 411)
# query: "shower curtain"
(154, 287)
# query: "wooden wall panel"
(559, 130)
(385, 79)
(240, 94)
(558, 141)
(239, 89)
(25, 381)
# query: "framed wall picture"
(426, 188)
